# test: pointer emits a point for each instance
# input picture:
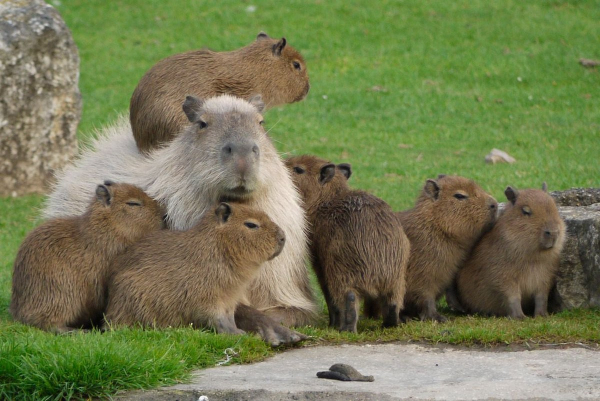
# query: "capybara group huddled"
(241, 222)
(61, 271)
(513, 267)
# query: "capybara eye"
(133, 203)
(297, 65)
(526, 210)
(460, 196)
(299, 170)
(202, 124)
(250, 225)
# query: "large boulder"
(578, 281)
(40, 104)
(577, 196)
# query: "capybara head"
(531, 218)
(318, 179)
(287, 80)
(458, 207)
(126, 211)
(226, 134)
(248, 233)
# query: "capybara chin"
(514, 265)
(266, 67)
(61, 269)
(195, 277)
(357, 245)
(450, 215)
(224, 154)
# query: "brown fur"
(61, 269)
(449, 217)
(357, 244)
(516, 262)
(197, 277)
(266, 66)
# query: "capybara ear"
(544, 186)
(346, 169)
(257, 101)
(103, 194)
(262, 35)
(327, 173)
(192, 107)
(511, 194)
(441, 176)
(432, 189)
(223, 211)
(278, 47)
(108, 183)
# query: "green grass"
(455, 80)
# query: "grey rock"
(577, 196)
(578, 281)
(40, 104)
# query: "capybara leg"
(452, 299)
(515, 310)
(350, 315)
(271, 331)
(372, 308)
(335, 319)
(392, 313)
(290, 316)
(541, 304)
(429, 311)
(224, 324)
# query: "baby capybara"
(450, 215)
(61, 269)
(514, 265)
(357, 244)
(198, 276)
(267, 67)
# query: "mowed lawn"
(402, 90)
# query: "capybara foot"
(271, 331)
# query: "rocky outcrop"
(578, 281)
(40, 104)
(577, 196)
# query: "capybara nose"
(280, 237)
(549, 239)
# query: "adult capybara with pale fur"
(357, 244)
(514, 265)
(195, 277)
(267, 67)
(450, 215)
(61, 269)
(224, 154)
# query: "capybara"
(61, 269)
(267, 67)
(224, 154)
(514, 265)
(195, 277)
(357, 244)
(450, 215)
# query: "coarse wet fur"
(357, 245)
(213, 159)
(267, 67)
(450, 215)
(195, 277)
(515, 264)
(61, 269)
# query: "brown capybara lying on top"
(266, 67)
